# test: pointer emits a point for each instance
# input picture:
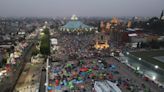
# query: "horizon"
(91, 8)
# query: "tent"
(106, 86)
(84, 69)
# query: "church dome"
(74, 17)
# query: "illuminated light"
(45, 84)
(127, 53)
(112, 54)
(41, 29)
(42, 33)
(139, 59)
(99, 61)
(156, 66)
(138, 68)
(74, 17)
(134, 34)
(126, 61)
(153, 78)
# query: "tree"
(155, 24)
(4, 61)
(161, 43)
(154, 44)
(46, 31)
(35, 52)
(142, 45)
(138, 45)
(45, 42)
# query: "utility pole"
(47, 64)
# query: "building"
(129, 25)
(74, 25)
(162, 16)
(101, 38)
(150, 38)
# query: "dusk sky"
(54, 8)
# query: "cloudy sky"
(54, 8)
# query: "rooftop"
(74, 23)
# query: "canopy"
(84, 69)
(106, 86)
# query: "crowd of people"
(80, 75)
(81, 46)
(85, 65)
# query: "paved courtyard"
(82, 68)
(29, 79)
(159, 58)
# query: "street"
(30, 78)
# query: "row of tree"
(153, 25)
(45, 42)
(152, 44)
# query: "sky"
(87, 8)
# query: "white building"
(54, 41)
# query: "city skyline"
(84, 8)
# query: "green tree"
(154, 44)
(4, 61)
(138, 45)
(45, 42)
(35, 51)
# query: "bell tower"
(101, 38)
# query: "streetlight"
(126, 61)
(46, 84)
(156, 66)
(41, 29)
(138, 68)
(99, 61)
(153, 77)
(139, 59)
(112, 54)
(127, 53)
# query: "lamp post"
(47, 66)
(127, 53)
(154, 78)
(112, 54)
(139, 59)
(138, 68)
(156, 66)
(126, 61)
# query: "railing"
(146, 63)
